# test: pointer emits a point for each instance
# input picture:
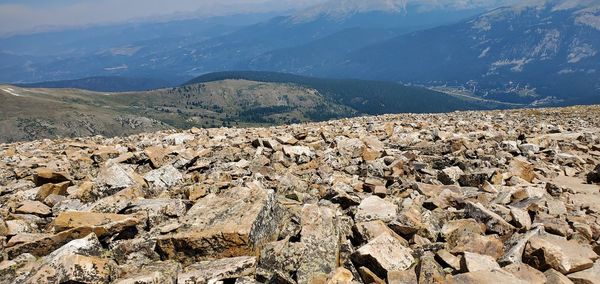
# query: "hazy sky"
(24, 15)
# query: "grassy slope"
(48, 113)
(369, 97)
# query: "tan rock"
(526, 273)
(78, 269)
(341, 276)
(478, 262)
(369, 276)
(429, 270)
(234, 223)
(367, 231)
(402, 277)
(43, 176)
(157, 155)
(156, 272)
(450, 259)
(520, 167)
(555, 277)
(485, 277)
(51, 188)
(383, 254)
(588, 276)
(487, 245)
(374, 208)
(107, 221)
(217, 270)
(521, 217)
(320, 237)
(34, 207)
(493, 221)
(550, 251)
(3, 228)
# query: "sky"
(25, 15)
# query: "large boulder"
(234, 223)
(550, 251)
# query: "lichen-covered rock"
(216, 270)
(375, 208)
(234, 223)
(156, 272)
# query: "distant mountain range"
(535, 53)
(544, 51)
(181, 50)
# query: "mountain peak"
(344, 8)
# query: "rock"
(429, 270)
(402, 277)
(526, 273)
(158, 210)
(493, 221)
(77, 269)
(522, 168)
(164, 177)
(320, 240)
(234, 223)
(411, 198)
(349, 147)
(368, 276)
(489, 277)
(477, 262)
(156, 272)
(51, 188)
(87, 246)
(529, 148)
(588, 276)
(34, 207)
(475, 179)
(594, 176)
(341, 276)
(553, 225)
(383, 254)
(217, 270)
(374, 208)
(101, 223)
(450, 175)
(521, 217)
(44, 175)
(515, 252)
(549, 251)
(462, 241)
(366, 231)
(300, 154)
(555, 277)
(114, 177)
(449, 259)
(157, 155)
(3, 228)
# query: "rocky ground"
(466, 197)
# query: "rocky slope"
(466, 197)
